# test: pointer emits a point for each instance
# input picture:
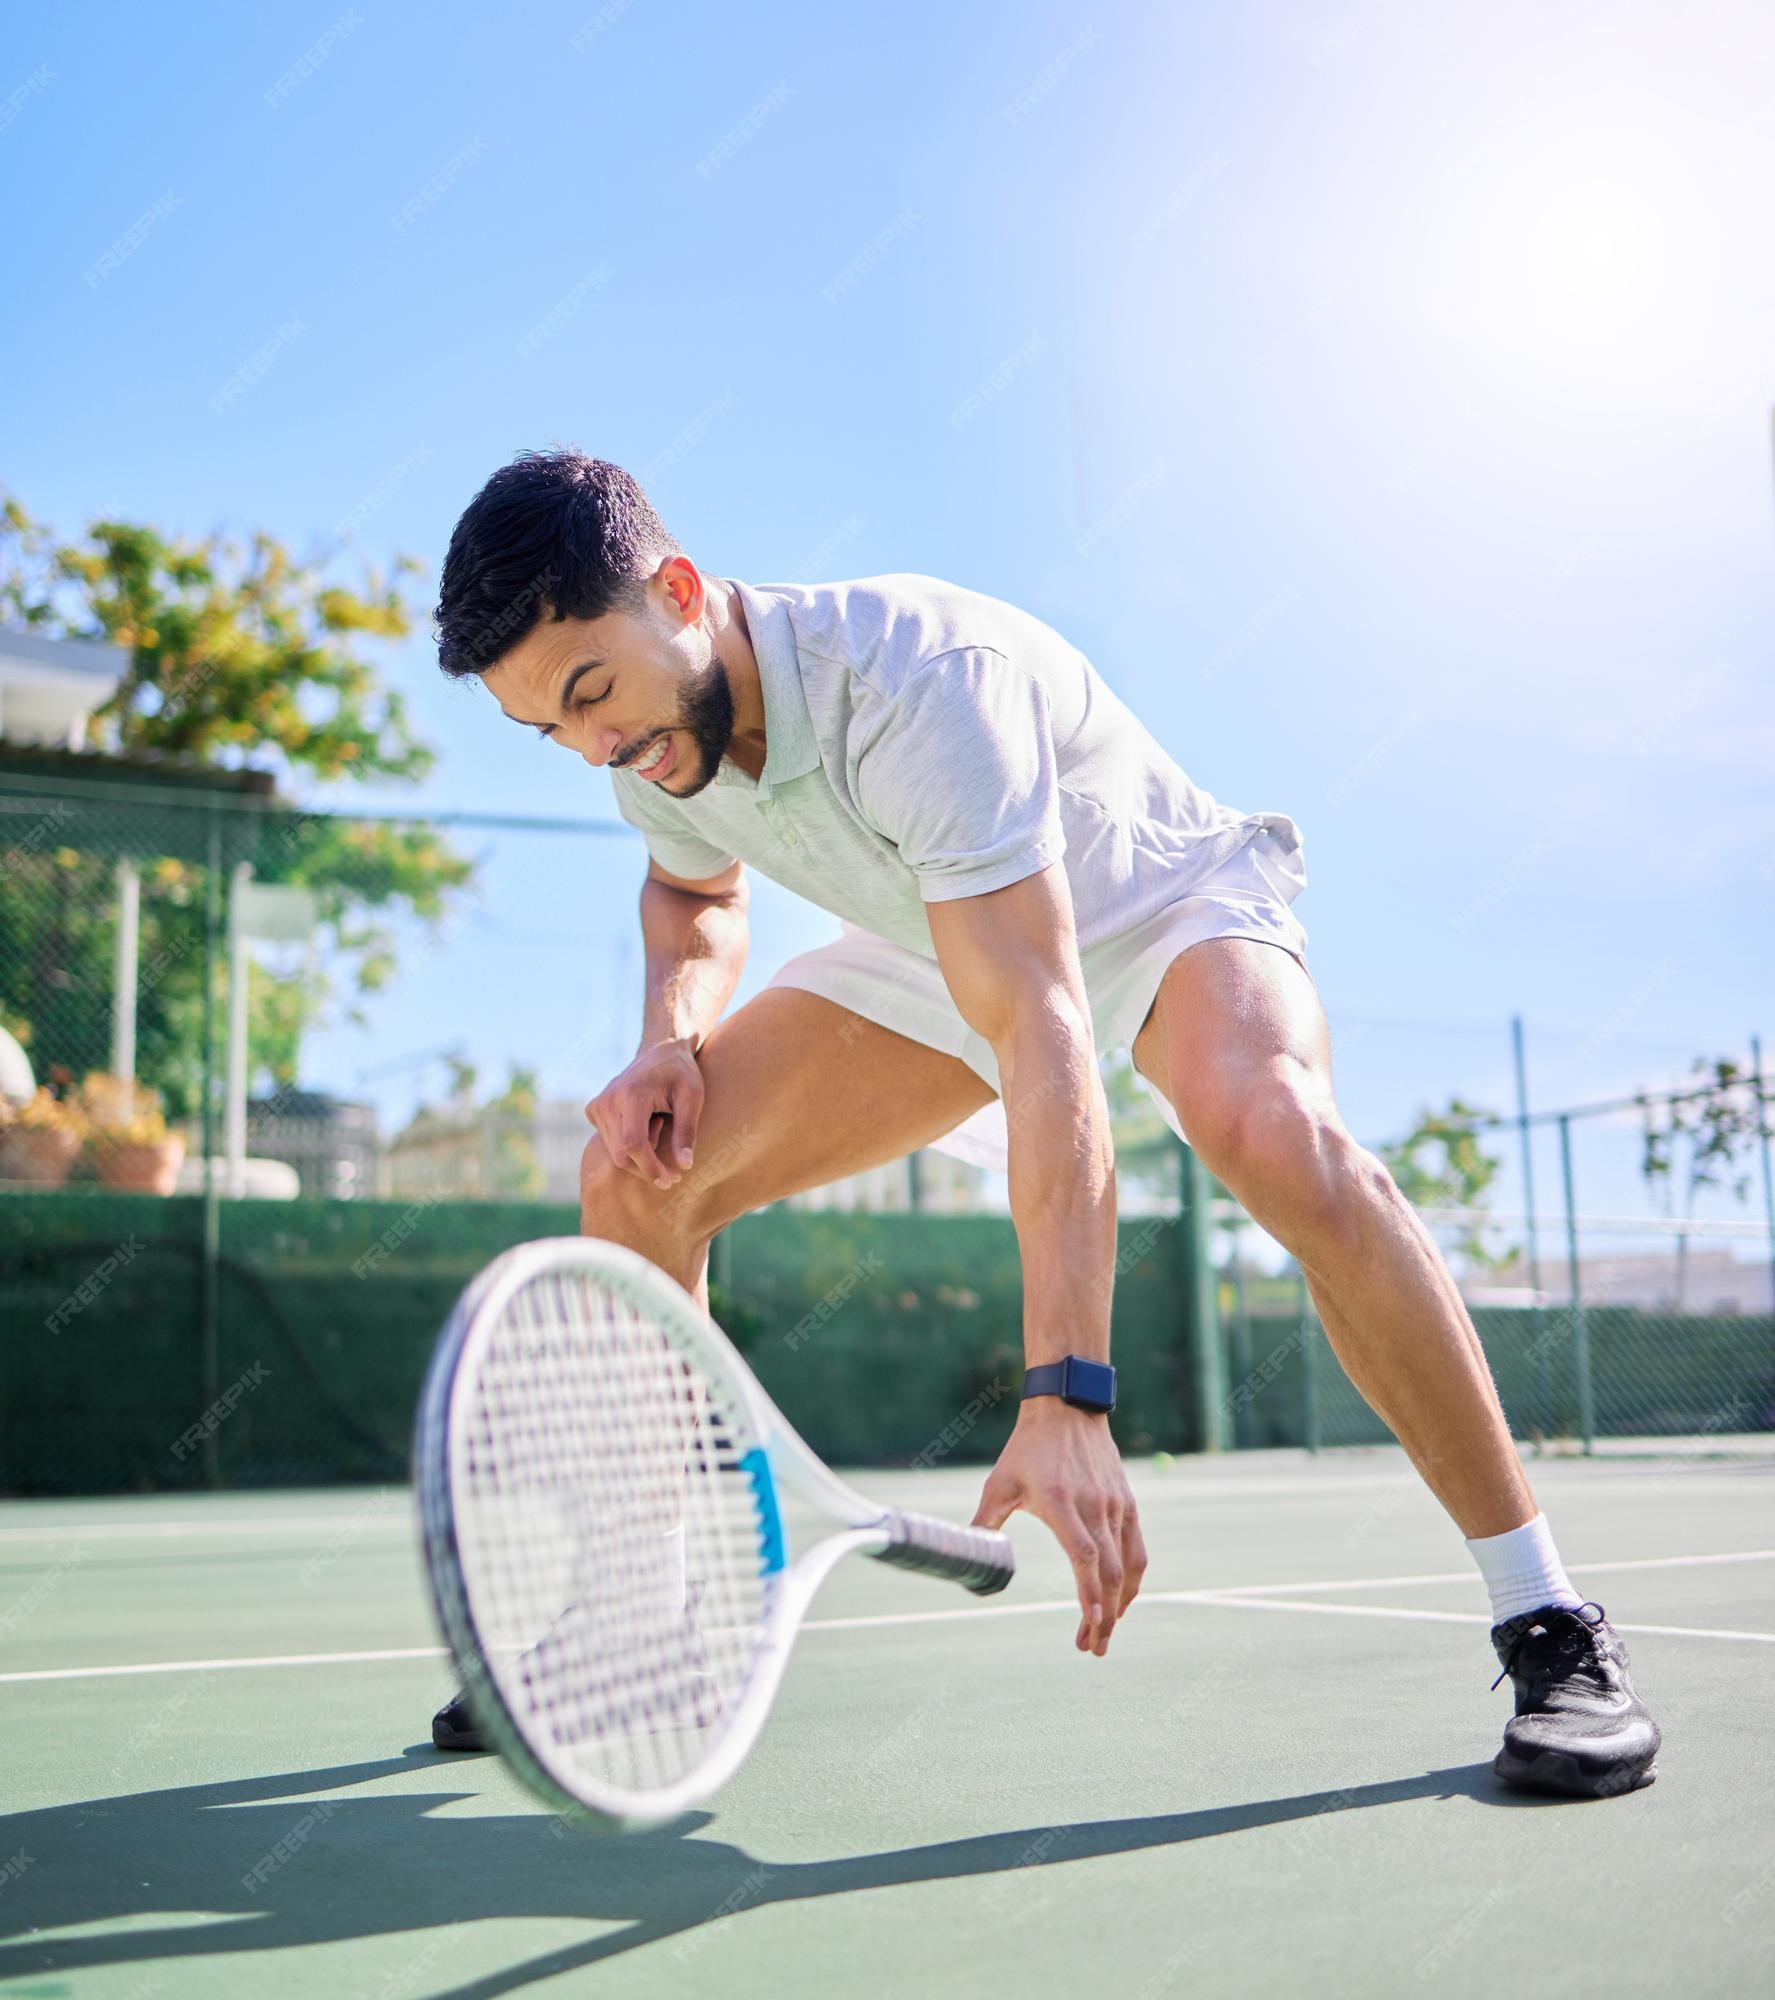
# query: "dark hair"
(553, 531)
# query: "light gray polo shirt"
(922, 743)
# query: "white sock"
(1522, 1571)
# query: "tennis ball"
(1163, 1461)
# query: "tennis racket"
(600, 1483)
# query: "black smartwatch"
(1086, 1385)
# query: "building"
(1706, 1280)
(457, 1152)
(333, 1145)
(925, 1183)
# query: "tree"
(238, 656)
(1716, 1118)
(1145, 1146)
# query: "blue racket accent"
(772, 1551)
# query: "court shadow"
(272, 1867)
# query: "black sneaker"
(453, 1728)
(1579, 1727)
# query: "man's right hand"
(661, 1088)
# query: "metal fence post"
(210, 1364)
(1580, 1325)
(1531, 1242)
(1241, 1431)
(1201, 1308)
(1307, 1334)
(1756, 1069)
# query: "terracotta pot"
(39, 1156)
(140, 1169)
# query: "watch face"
(1091, 1385)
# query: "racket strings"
(610, 1534)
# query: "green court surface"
(220, 1780)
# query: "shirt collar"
(791, 749)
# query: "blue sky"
(1380, 395)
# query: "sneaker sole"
(1555, 1771)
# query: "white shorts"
(1248, 897)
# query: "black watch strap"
(1087, 1385)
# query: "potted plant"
(39, 1139)
(127, 1136)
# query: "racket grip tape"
(977, 1558)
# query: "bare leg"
(799, 1091)
(1237, 1041)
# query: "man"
(1024, 877)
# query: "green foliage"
(1718, 1118)
(516, 1170)
(1147, 1153)
(485, 1151)
(236, 657)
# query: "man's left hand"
(1062, 1466)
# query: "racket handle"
(977, 1558)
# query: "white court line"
(1467, 1575)
(1231, 1603)
(1232, 1597)
(228, 1666)
(117, 1531)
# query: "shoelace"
(1522, 1638)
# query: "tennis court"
(221, 1780)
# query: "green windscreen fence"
(887, 1339)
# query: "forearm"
(695, 950)
(1063, 1192)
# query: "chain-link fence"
(318, 1238)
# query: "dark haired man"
(1024, 879)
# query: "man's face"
(637, 688)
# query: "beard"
(705, 714)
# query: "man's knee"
(620, 1205)
(1285, 1152)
